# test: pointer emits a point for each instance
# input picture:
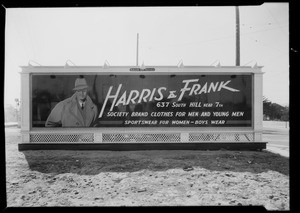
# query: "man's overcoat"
(67, 113)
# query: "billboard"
(141, 100)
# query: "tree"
(11, 113)
(275, 111)
(267, 109)
(285, 114)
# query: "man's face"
(81, 94)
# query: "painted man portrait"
(75, 111)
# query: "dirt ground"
(145, 178)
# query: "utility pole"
(137, 50)
(237, 17)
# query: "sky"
(199, 36)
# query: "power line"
(274, 28)
(266, 8)
(268, 46)
(210, 40)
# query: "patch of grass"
(94, 162)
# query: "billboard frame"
(28, 132)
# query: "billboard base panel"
(253, 146)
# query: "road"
(276, 133)
(278, 137)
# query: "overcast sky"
(197, 35)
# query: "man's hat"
(80, 84)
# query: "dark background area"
(48, 90)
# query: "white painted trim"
(125, 69)
(25, 102)
(139, 129)
(160, 70)
(258, 107)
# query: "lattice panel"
(220, 137)
(59, 137)
(141, 137)
(138, 137)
